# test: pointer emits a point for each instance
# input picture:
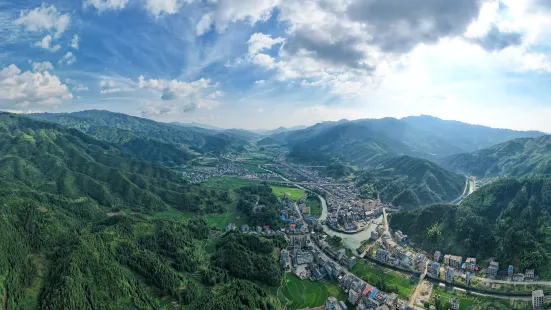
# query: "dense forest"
(507, 220)
(410, 182)
(260, 206)
(147, 139)
(79, 230)
(519, 157)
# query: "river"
(351, 241)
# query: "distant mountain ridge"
(517, 157)
(166, 142)
(365, 142)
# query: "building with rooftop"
(493, 268)
(450, 272)
(538, 300)
(529, 274)
(231, 226)
(470, 263)
(382, 255)
(333, 304)
(437, 255)
(510, 271)
(283, 256)
(245, 228)
(454, 303)
(374, 235)
(353, 297)
(455, 261)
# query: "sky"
(269, 63)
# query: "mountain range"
(517, 157)
(366, 142)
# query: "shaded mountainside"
(410, 182)
(518, 157)
(465, 136)
(145, 130)
(508, 220)
(64, 246)
(364, 142)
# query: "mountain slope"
(65, 246)
(363, 142)
(465, 136)
(507, 220)
(410, 182)
(518, 157)
(197, 139)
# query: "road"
(413, 296)
(515, 282)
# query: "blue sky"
(270, 63)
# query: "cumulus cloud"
(28, 88)
(75, 42)
(204, 24)
(158, 7)
(180, 96)
(68, 59)
(46, 43)
(107, 5)
(264, 61)
(496, 40)
(44, 18)
(259, 41)
(42, 66)
(109, 87)
(227, 11)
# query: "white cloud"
(181, 96)
(115, 85)
(27, 88)
(42, 66)
(44, 18)
(251, 11)
(107, 5)
(158, 7)
(260, 41)
(264, 61)
(75, 42)
(80, 88)
(46, 43)
(68, 59)
(260, 82)
(204, 25)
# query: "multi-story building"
(450, 272)
(400, 237)
(470, 263)
(333, 304)
(537, 299)
(353, 297)
(437, 255)
(529, 274)
(300, 240)
(510, 271)
(447, 259)
(493, 269)
(374, 235)
(454, 303)
(455, 261)
(434, 268)
(382, 255)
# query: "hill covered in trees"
(507, 220)
(365, 142)
(80, 229)
(518, 157)
(147, 139)
(410, 182)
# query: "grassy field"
(299, 294)
(371, 273)
(230, 216)
(254, 168)
(229, 183)
(293, 192)
(315, 206)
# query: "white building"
(537, 299)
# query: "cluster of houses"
(354, 215)
(226, 169)
(365, 296)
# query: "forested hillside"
(80, 229)
(410, 182)
(365, 142)
(518, 157)
(132, 131)
(507, 220)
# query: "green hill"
(167, 143)
(365, 142)
(65, 245)
(410, 182)
(518, 157)
(507, 220)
